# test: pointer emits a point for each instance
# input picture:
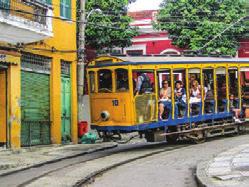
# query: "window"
(143, 82)
(195, 91)
(244, 84)
(122, 83)
(92, 81)
(221, 89)
(65, 9)
(45, 1)
(180, 93)
(105, 81)
(208, 86)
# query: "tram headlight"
(105, 115)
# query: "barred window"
(35, 63)
(65, 68)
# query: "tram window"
(208, 82)
(194, 91)
(105, 81)
(164, 97)
(221, 89)
(92, 81)
(244, 80)
(122, 83)
(180, 93)
(143, 82)
(233, 82)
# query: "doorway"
(3, 106)
(65, 103)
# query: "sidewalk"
(230, 168)
(33, 156)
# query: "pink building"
(154, 42)
(149, 40)
(244, 49)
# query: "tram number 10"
(114, 102)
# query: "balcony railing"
(35, 11)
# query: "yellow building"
(38, 65)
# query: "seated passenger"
(195, 92)
(180, 99)
(234, 108)
(164, 97)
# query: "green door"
(66, 109)
(35, 107)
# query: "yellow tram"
(168, 95)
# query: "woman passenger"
(195, 92)
(165, 96)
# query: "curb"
(89, 151)
(201, 177)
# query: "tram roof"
(136, 60)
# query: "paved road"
(170, 169)
(77, 167)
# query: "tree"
(110, 27)
(192, 24)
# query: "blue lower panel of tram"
(170, 122)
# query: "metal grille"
(145, 108)
(35, 133)
(35, 63)
(65, 67)
(35, 108)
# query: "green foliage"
(110, 27)
(193, 23)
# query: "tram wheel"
(172, 139)
(199, 137)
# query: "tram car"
(168, 98)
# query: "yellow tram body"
(125, 111)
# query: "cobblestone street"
(175, 168)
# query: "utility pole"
(81, 58)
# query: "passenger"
(165, 97)
(123, 82)
(208, 97)
(195, 92)
(192, 79)
(142, 84)
(180, 99)
(106, 81)
(222, 91)
(234, 108)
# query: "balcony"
(25, 21)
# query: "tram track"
(30, 176)
(92, 176)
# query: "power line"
(63, 19)
(219, 34)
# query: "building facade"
(152, 42)
(38, 65)
(149, 41)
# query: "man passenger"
(180, 99)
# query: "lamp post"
(81, 55)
